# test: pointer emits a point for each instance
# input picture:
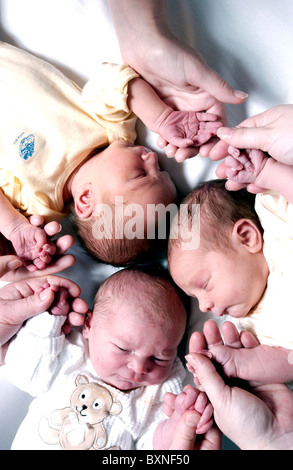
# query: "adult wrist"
(284, 442)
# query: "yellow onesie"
(272, 319)
(49, 126)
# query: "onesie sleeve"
(32, 356)
(105, 96)
(174, 384)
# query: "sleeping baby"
(242, 269)
(62, 145)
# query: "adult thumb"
(216, 86)
(245, 137)
(8, 263)
(185, 432)
(32, 305)
(210, 381)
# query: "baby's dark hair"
(220, 209)
(119, 252)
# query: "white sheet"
(250, 43)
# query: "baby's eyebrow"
(123, 341)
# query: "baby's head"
(227, 271)
(115, 212)
(137, 323)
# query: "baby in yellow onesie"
(61, 143)
(243, 266)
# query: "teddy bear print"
(80, 426)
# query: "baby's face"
(128, 351)
(225, 283)
(132, 171)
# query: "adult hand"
(60, 261)
(187, 429)
(176, 71)
(259, 419)
(270, 131)
(185, 437)
(24, 299)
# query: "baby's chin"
(237, 312)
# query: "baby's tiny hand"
(64, 304)
(190, 399)
(32, 246)
(244, 166)
(182, 129)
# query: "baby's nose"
(206, 305)
(151, 161)
(138, 365)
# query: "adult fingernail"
(224, 132)
(240, 94)
(14, 264)
(45, 294)
(191, 360)
(192, 419)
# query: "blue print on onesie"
(27, 147)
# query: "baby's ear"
(84, 203)
(248, 234)
(87, 324)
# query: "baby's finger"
(203, 428)
(187, 399)
(207, 117)
(52, 228)
(49, 248)
(39, 262)
(45, 258)
(201, 403)
(80, 306)
(232, 173)
(205, 421)
(171, 150)
(234, 151)
(66, 328)
(183, 154)
(75, 319)
(161, 142)
(60, 306)
(231, 162)
(29, 266)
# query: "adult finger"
(210, 380)
(214, 84)
(9, 263)
(22, 309)
(231, 335)
(244, 137)
(185, 432)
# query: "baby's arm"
(174, 406)
(240, 355)
(178, 128)
(30, 243)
